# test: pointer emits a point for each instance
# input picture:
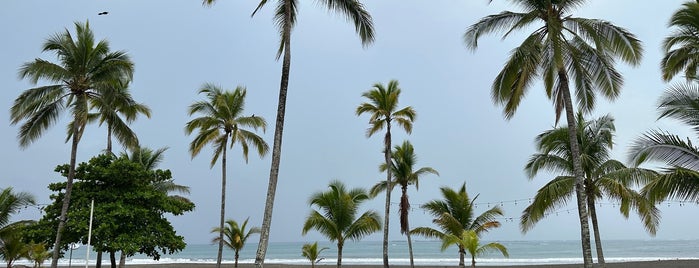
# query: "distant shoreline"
(642, 264)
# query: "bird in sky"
(103, 13)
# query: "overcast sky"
(179, 45)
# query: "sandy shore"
(647, 264)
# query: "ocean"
(428, 253)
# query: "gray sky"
(179, 45)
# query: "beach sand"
(645, 264)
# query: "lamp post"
(72, 247)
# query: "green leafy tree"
(336, 217)
(404, 174)
(454, 215)
(84, 71)
(130, 212)
(235, 236)
(604, 177)
(682, 45)
(221, 120)
(680, 178)
(563, 49)
(285, 19)
(382, 107)
(312, 253)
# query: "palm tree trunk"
(223, 204)
(595, 228)
(462, 260)
(277, 146)
(405, 225)
(237, 255)
(577, 169)
(109, 138)
(473, 261)
(389, 189)
(340, 245)
(66, 197)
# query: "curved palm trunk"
(66, 198)
(223, 204)
(462, 260)
(389, 189)
(577, 169)
(340, 245)
(405, 225)
(277, 146)
(595, 228)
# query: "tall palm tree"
(454, 215)
(382, 106)
(336, 217)
(285, 20)
(235, 236)
(604, 177)
(84, 71)
(221, 120)
(682, 46)
(562, 49)
(402, 167)
(112, 107)
(312, 253)
(680, 179)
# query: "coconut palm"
(682, 46)
(235, 236)
(680, 179)
(285, 19)
(114, 105)
(471, 243)
(454, 215)
(336, 216)
(402, 167)
(84, 71)
(604, 177)
(221, 119)
(382, 106)
(563, 49)
(13, 248)
(312, 253)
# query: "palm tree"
(561, 50)
(604, 177)
(84, 73)
(312, 253)
(11, 203)
(404, 159)
(112, 106)
(285, 19)
(336, 217)
(38, 254)
(471, 243)
(221, 120)
(235, 236)
(682, 46)
(680, 179)
(455, 217)
(13, 248)
(383, 110)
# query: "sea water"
(428, 253)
